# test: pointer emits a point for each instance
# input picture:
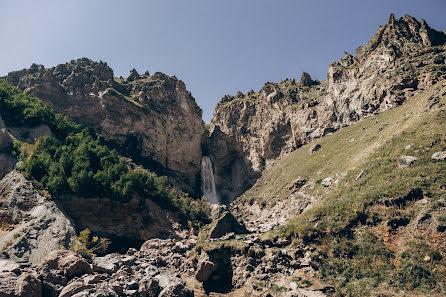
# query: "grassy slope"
(359, 250)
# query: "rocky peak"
(152, 119)
(399, 32)
(306, 80)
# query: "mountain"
(329, 188)
(152, 119)
(400, 60)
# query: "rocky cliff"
(403, 58)
(150, 118)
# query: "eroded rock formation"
(404, 57)
(152, 119)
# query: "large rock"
(205, 269)
(75, 287)
(29, 285)
(439, 156)
(8, 282)
(225, 224)
(405, 161)
(35, 226)
(58, 268)
(152, 119)
(176, 290)
(67, 262)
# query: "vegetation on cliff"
(75, 162)
(379, 226)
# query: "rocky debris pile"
(32, 225)
(152, 119)
(154, 270)
(260, 266)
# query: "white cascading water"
(207, 180)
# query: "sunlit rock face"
(150, 118)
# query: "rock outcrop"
(30, 226)
(152, 119)
(403, 58)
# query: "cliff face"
(403, 58)
(152, 119)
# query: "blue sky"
(215, 47)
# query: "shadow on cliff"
(233, 171)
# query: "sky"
(215, 47)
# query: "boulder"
(70, 264)
(8, 281)
(29, 285)
(9, 266)
(111, 262)
(149, 287)
(58, 268)
(227, 223)
(205, 269)
(74, 288)
(314, 148)
(439, 156)
(176, 290)
(326, 182)
(405, 161)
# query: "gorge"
(303, 188)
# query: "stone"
(29, 285)
(314, 148)
(9, 266)
(108, 264)
(227, 223)
(176, 290)
(75, 288)
(8, 281)
(67, 262)
(58, 268)
(94, 278)
(439, 156)
(205, 270)
(180, 247)
(326, 182)
(405, 161)
(149, 287)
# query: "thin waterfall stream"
(207, 180)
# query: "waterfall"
(207, 180)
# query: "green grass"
(358, 253)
